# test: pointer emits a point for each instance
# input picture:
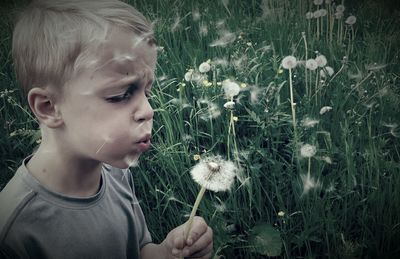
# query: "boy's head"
(87, 68)
(53, 39)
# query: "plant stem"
(193, 213)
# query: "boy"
(87, 68)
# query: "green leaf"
(266, 240)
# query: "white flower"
(318, 2)
(308, 150)
(321, 60)
(351, 20)
(231, 89)
(328, 69)
(311, 64)
(340, 8)
(309, 123)
(309, 15)
(204, 67)
(289, 62)
(325, 109)
(229, 105)
(214, 173)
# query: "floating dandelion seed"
(311, 64)
(328, 69)
(231, 89)
(325, 109)
(229, 105)
(204, 67)
(309, 123)
(289, 62)
(308, 150)
(351, 20)
(321, 60)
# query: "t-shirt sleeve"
(140, 221)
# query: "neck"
(64, 173)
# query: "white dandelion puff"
(317, 14)
(328, 1)
(308, 150)
(204, 67)
(188, 75)
(311, 64)
(323, 12)
(289, 62)
(309, 123)
(309, 15)
(351, 20)
(328, 69)
(325, 109)
(229, 105)
(321, 60)
(318, 2)
(214, 173)
(231, 89)
(340, 8)
(339, 15)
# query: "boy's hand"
(199, 243)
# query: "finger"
(199, 227)
(204, 253)
(202, 246)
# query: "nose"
(144, 112)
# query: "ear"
(43, 105)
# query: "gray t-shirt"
(38, 223)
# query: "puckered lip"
(146, 138)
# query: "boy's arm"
(199, 243)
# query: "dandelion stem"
(292, 104)
(189, 223)
(306, 57)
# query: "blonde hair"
(52, 38)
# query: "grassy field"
(314, 129)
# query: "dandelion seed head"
(318, 2)
(328, 2)
(325, 109)
(204, 67)
(308, 151)
(321, 60)
(231, 89)
(339, 15)
(309, 123)
(351, 20)
(322, 12)
(311, 64)
(309, 15)
(340, 8)
(214, 173)
(289, 62)
(229, 105)
(281, 214)
(328, 69)
(317, 14)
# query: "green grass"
(353, 211)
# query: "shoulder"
(13, 198)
